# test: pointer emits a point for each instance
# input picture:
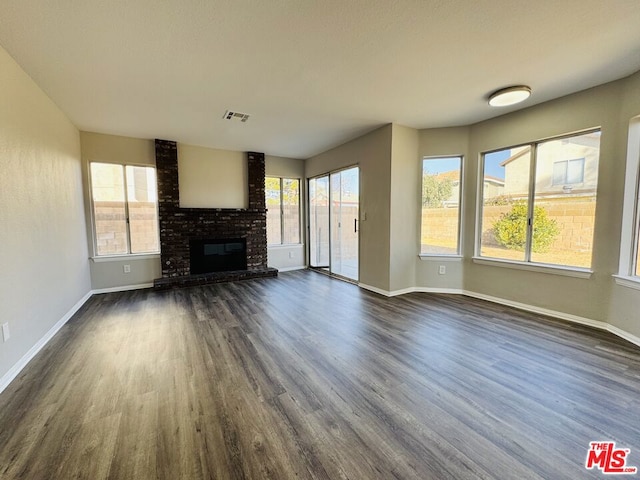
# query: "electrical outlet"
(290, 254)
(127, 268)
(442, 270)
(5, 332)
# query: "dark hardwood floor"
(304, 376)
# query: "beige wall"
(44, 256)
(199, 170)
(582, 297)
(97, 147)
(372, 153)
(406, 178)
(212, 178)
(624, 304)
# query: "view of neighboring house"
(566, 167)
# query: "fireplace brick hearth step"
(213, 277)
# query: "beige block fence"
(575, 220)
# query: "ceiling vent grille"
(229, 115)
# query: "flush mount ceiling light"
(509, 96)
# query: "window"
(283, 210)
(630, 238)
(441, 186)
(538, 201)
(125, 209)
(566, 172)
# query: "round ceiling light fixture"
(509, 96)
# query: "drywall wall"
(195, 172)
(284, 167)
(624, 304)
(109, 273)
(372, 153)
(288, 257)
(211, 178)
(44, 259)
(589, 298)
(439, 142)
(404, 216)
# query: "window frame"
(460, 236)
(105, 257)
(527, 263)
(630, 235)
(282, 236)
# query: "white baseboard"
(291, 269)
(561, 315)
(8, 377)
(123, 288)
(542, 311)
(622, 334)
(394, 293)
(14, 371)
(451, 291)
(510, 303)
(377, 290)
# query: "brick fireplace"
(181, 226)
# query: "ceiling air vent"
(229, 115)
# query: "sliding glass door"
(319, 222)
(333, 222)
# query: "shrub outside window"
(538, 201)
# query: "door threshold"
(334, 275)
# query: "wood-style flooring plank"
(306, 377)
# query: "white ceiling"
(312, 73)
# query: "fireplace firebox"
(217, 255)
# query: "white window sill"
(628, 281)
(536, 267)
(284, 245)
(440, 258)
(127, 257)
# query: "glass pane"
(143, 209)
(319, 222)
(291, 210)
(344, 229)
(272, 199)
(505, 204)
(336, 230)
(638, 256)
(440, 205)
(107, 188)
(564, 214)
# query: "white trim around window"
(124, 210)
(529, 190)
(630, 236)
(275, 200)
(446, 171)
